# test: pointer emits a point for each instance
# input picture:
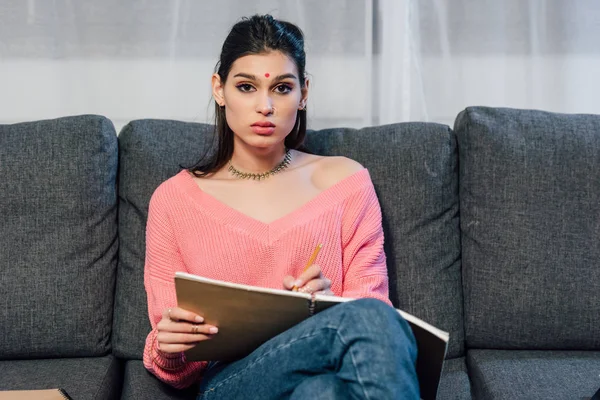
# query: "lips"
(263, 124)
(263, 127)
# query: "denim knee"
(383, 318)
(323, 386)
(370, 309)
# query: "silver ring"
(169, 314)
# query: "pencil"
(310, 262)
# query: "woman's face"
(261, 96)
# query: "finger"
(288, 282)
(185, 327)
(182, 338)
(316, 285)
(175, 348)
(327, 292)
(179, 314)
(312, 272)
(312, 286)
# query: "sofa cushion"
(455, 383)
(413, 167)
(82, 378)
(150, 152)
(138, 383)
(414, 170)
(530, 222)
(541, 374)
(59, 237)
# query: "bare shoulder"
(331, 170)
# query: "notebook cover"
(43, 394)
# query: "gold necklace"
(257, 177)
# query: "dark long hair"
(255, 35)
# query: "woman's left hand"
(310, 281)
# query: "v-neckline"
(231, 216)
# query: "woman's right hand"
(179, 330)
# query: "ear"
(304, 92)
(217, 89)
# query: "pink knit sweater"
(189, 230)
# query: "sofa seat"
(534, 374)
(82, 378)
(138, 383)
(455, 383)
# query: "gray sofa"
(492, 233)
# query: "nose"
(265, 105)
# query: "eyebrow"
(253, 77)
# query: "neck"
(256, 161)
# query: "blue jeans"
(361, 349)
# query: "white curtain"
(451, 54)
(370, 62)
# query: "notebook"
(247, 316)
(43, 394)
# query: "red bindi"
(267, 75)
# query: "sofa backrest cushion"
(59, 237)
(414, 170)
(530, 221)
(150, 152)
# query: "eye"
(283, 89)
(244, 87)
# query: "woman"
(253, 214)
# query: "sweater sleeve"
(163, 259)
(364, 262)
